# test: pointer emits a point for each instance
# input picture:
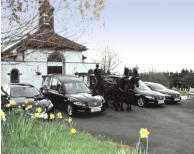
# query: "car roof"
(21, 84)
(63, 78)
(118, 76)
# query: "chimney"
(46, 16)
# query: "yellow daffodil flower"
(36, 115)
(29, 106)
(144, 133)
(2, 113)
(13, 102)
(26, 101)
(39, 110)
(23, 105)
(8, 105)
(19, 107)
(26, 108)
(36, 104)
(70, 120)
(52, 116)
(59, 115)
(73, 131)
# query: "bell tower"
(46, 16)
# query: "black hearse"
(71, 94)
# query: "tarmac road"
(171, 126)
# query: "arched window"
(15, 76)
(56, 63)
(55, 57)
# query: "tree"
(109, 61)
(20, 17)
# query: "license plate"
(161, 102)
(95, 109)
(177, 99)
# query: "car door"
(56, 92)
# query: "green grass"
(183, 93)
(24, 135)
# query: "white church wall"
(72, 68)
(36, 61)
(41, 55)
(27, 72)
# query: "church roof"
(46, 37)
(48, 40)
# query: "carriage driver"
(97, 73)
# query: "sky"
(153, 34)
(156, 35)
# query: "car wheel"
(70, 110)
(140, 102)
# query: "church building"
(44, 52)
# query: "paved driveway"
(171, 127)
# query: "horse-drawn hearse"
(123, 89)
(115, 89)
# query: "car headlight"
(79, 104)
(149, 97)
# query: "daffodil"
(52, 116)
(26, 108)
(59, 115)
(2, 113)
(73, 131)
(144, 133)
(29, 106)
(19, 107)
(26, 101)
(3, 118)
(39, 110)
(13, 102)
(23, 105)
(70, 120)
(7, 105)
(36, 104)
(37, 115)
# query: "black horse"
(121, 89)
(118, 91)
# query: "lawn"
(183, 93)
(21, 134)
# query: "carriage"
(116, 89)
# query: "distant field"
(183, 93)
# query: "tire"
(141, 102)
(70, 110)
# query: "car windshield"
(156, 86)
(76, 87)
(142, 86)
(24, 91)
